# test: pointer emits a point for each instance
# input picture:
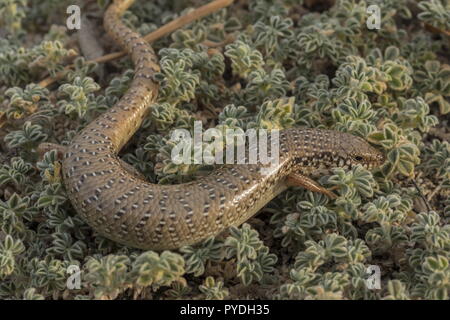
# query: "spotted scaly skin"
(122, 207)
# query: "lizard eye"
(358, 158)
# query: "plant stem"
(168, 28)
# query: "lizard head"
(352, 150)
(326, 149)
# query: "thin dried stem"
(168, 28)
(427, 204)
(436, 30)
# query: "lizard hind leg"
(47, 146)
(131, 169)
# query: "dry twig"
(170, 27)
